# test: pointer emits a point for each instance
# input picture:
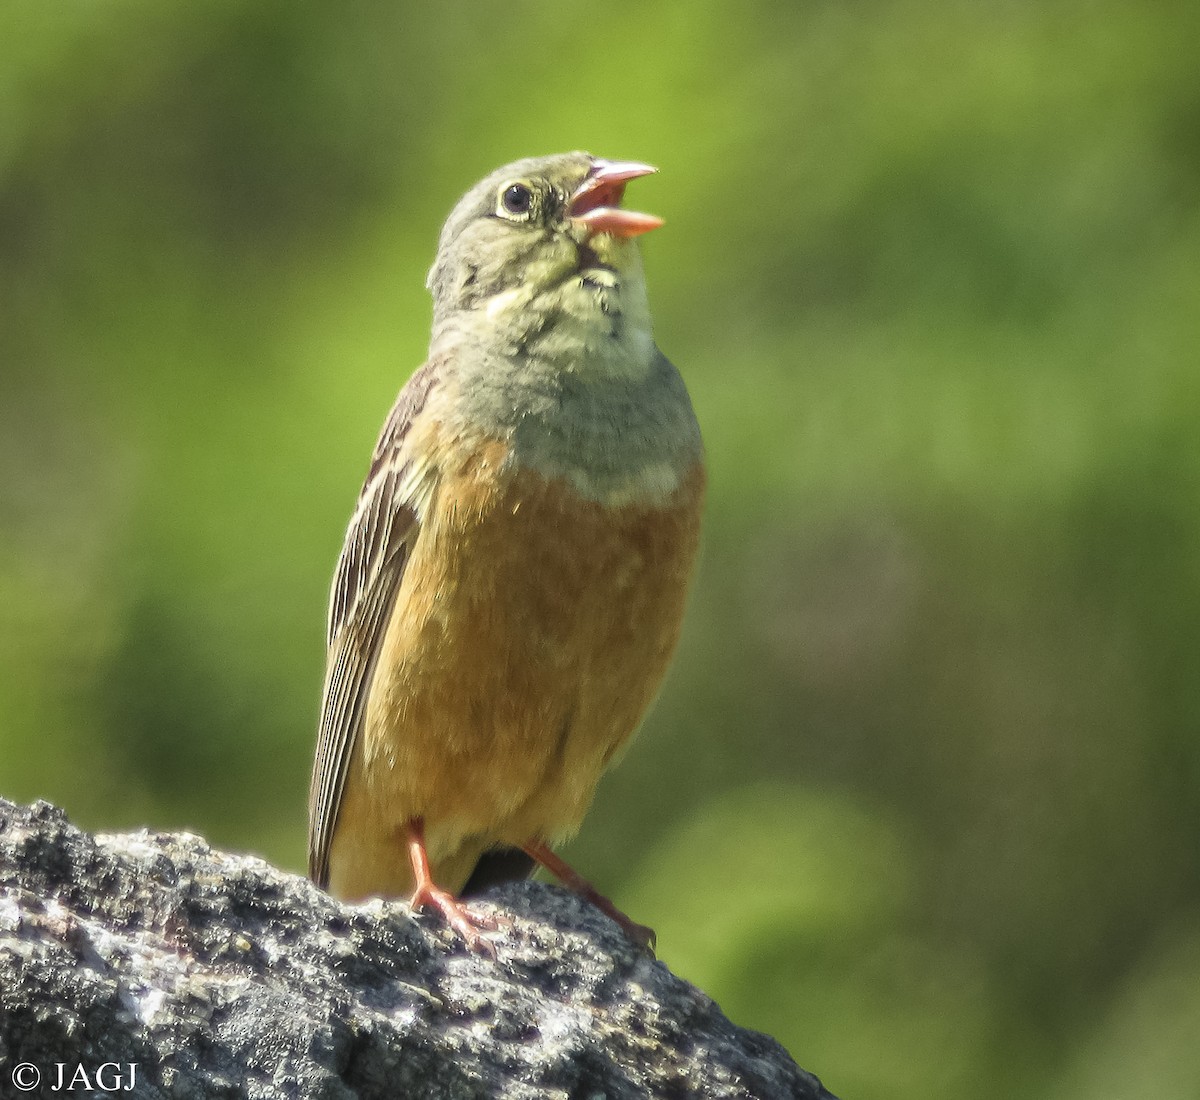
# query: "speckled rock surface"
(220, 976)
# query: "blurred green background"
(921, 797)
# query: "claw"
(641, 935)
(470, 926)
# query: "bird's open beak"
(596, 203)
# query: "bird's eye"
(517, 199)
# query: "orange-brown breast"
(532, 631)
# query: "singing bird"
(513, 579)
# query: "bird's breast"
(533, 629)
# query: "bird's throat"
(589, 258)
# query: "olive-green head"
(539, 237)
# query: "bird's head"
(541, 242)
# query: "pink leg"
(572, 879)
(427, 892)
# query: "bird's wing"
(369, 574)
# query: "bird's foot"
(641, 935)
(470, 925)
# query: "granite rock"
(217, 975)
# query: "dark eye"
(517, 199)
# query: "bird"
(513, 579)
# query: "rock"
(150, 960)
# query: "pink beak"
(596, 203)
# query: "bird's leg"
(427, 892)
(573, 880)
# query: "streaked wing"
(369, 574)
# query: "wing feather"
(369, 575)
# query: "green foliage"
(921, 795)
